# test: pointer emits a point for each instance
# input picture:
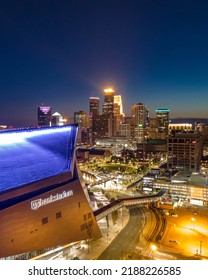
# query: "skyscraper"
(108, 105)
(140, 115)
(83, 122)
(81, 119)
(162, 116)
(118, 112)
(57, 119)
(140, 121)
(100, 127)
(44, 115)
(108, 109)
(118, 105)
(94, 106)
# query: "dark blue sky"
(62, 52)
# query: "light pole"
(193, 223)
(107, 237)
(200, 250)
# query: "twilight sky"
(60, 53)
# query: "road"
(128, 238)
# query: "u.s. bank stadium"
(43, 200)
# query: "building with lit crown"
(44, 115)
(57, 119)
(108, 105)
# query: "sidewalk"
(94, 248)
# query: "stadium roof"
(30, 155)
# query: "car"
(174, 215)
(174, 241)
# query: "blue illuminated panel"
(162, 110)
(29, 155)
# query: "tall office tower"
(81, 119)
(153, 130)
(118, 113)
(140, 115)
(108, 105)
(140, 121)
(125, 130)
(128, 120)
(94, 106)
(162, 116)
(57, 119)
(83, 122)
(44, 115)
(108, 109)
(100, 127)
(185, 150)
(94, 111)
(118, 105)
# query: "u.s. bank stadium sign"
(35, 204)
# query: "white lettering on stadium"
(35, 204)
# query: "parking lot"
(187, 230)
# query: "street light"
(107, 237)
(193, 223)
(153, 249)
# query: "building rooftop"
(186, 134)
(198, 179)
(181, 177)
(30, 155)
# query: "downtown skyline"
(62, 53)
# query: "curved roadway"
(127, 239)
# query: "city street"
(185, 237)
(124, 244)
